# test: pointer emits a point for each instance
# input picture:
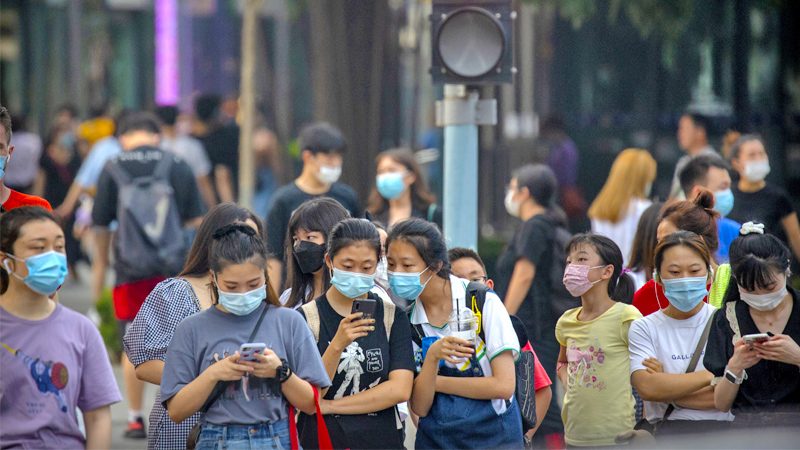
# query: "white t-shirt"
(672, 342)
(624, 231)
(497, 328)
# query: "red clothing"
(650, 298)
(18, 200)
(540, 378)
(129, 297)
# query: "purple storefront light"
(167, 77)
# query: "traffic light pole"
(460, 113)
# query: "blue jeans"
(235, 437)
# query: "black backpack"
(525, 392)
(150, 239)
(560, 299)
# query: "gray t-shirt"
(212, 331)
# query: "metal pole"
(75, 62)
(460, 113)
(247, 172)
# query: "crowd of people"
(314, 323)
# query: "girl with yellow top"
(594, 360)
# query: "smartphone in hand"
(366, 306)
(750, 339)
(248, 352)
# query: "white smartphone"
(757, 337)
(248, 352)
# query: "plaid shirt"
(147, 339)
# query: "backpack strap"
(312, 318)
(161, 172)
(388, 317)
(733, 321)
(475, 299)
(116, 171)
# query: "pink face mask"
(576, 279)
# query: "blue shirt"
(102, 152)
(728, 230)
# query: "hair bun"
(705, 199)
(750, 228)
(234, 228)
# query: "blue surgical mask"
(46, 272)
(407, 285)
(352, 284)
(685, 293)
(244, 303)
(723, 202)
(390, 185)
(3, 164)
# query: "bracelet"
(733, 378)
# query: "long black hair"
(318, 214)
(11, 224)
(237, 244)
(620, 286)
(426, 238)
(196, 264)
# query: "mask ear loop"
(655, 288)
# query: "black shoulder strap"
(220, 387)
(475, 299)
(118, 173)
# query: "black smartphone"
(366, 306)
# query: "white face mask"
(512, 207)
(328, 174)
(756, 171)
(764, 302)
(382, 273)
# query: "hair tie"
(624, 271)
(233, 228)
(750, 228)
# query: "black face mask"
(309, 256)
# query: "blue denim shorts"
(235, 437)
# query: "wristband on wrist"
(283, 372)
(733, 378)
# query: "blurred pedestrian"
(149, 243)
(625, 195)
(693, 131)
(220, 139)
(753, 347)
(711, 172)
(188, 149)
(593, 364)
(24, 167)
(757, 200)
(563, 157)
(170, 302)
(644, 245)
(523, 269)
(9, 198)
(53, 359)
(322, 147)
(401, 191)
(679, 399)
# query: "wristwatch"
(730, 376)
(283, 372)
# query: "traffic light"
(471, 41)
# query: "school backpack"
(525, 391)
(149, 240)
(560, 299)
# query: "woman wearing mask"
(699, 217)
(759, 201)
(593, 364)
(252, 410)
(368, 359)
(464, 390)
(306, 241)
(757, 379)
(400, 190)
(616, 211)
(171, 301)
(523, 268)
(53, 359)
(664, 344)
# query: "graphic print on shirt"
(583, 365)
(50, 378)
(350, 363)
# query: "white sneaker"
(94, 316)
